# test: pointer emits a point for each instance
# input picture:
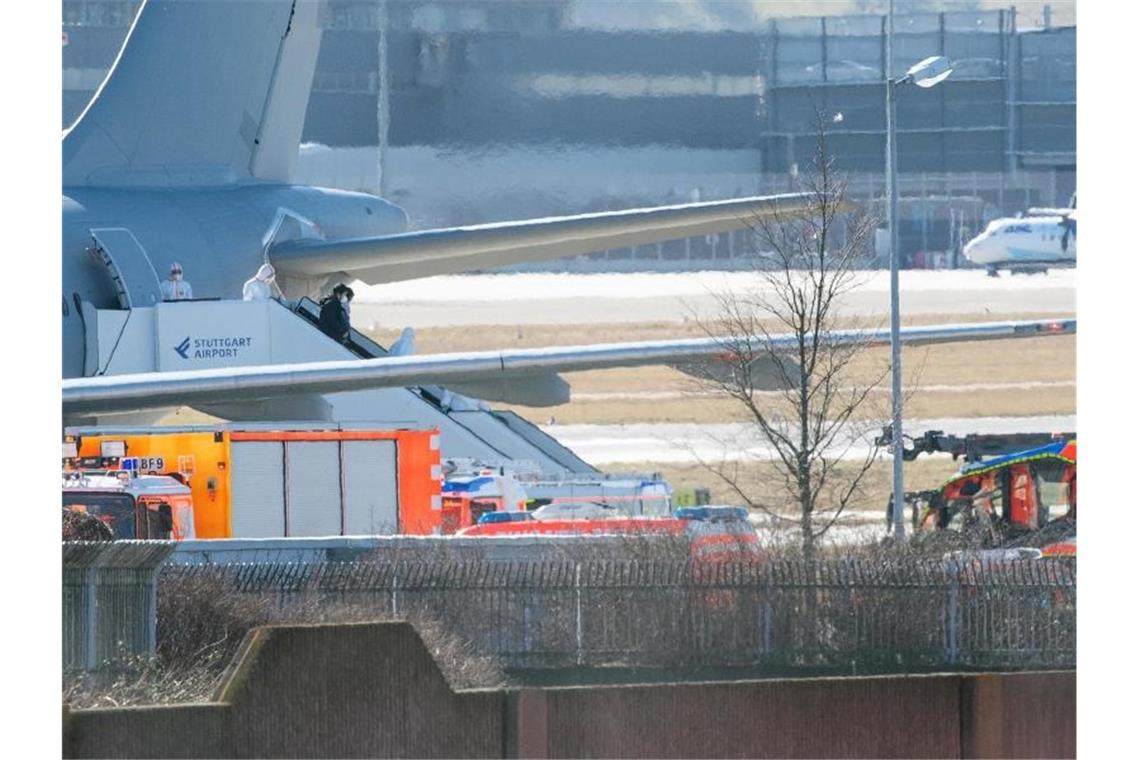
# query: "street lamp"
(926, 73)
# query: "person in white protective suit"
(174, 288)
(405, 345)
(262, 286)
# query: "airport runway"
(693, 443)
(661, 297)
(972, 388)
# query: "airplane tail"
(201, 93)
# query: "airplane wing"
(425, 253)
(157, 390)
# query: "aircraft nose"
(975, 248)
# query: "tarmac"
(715, 442)
(518, 299)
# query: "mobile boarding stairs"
(203, 334)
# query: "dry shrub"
(462, 665)
(201, 615)
(142, 680)
(80, 526)
(202, 620)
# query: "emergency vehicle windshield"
(1052, 491)
(116, 510)
(126, 517)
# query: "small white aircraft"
(1034, 242)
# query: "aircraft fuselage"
(1034, 240)
(219, 235)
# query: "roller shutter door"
(371, 492)
(257, 499)
(313, 488)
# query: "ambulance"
(271, 481)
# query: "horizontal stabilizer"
(121, 393)
(410, 255)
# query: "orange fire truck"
(268, 482)
(152, 506)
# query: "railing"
(836, 616)
(359, 343)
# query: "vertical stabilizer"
(204, 92)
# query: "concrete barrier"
(361, 690)
(373, 689)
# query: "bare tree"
(800, 384)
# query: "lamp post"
(926, 73)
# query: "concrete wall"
(374, 690)
(367, 690)
(990, 715)
(864, 717)
(1029, 715)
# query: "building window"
(99, 14)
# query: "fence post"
(90, 658)
(528, 626)
(578, 610)
(152, 613)
(766, 610)
(395, 590)
(952, 615)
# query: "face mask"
(176, 276)
(344, 299)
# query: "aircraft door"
(128, 266)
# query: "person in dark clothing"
(333, 321)
(346, 306)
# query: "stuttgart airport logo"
(228, 347)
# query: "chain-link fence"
(844, 616)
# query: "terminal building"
(482, 111)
